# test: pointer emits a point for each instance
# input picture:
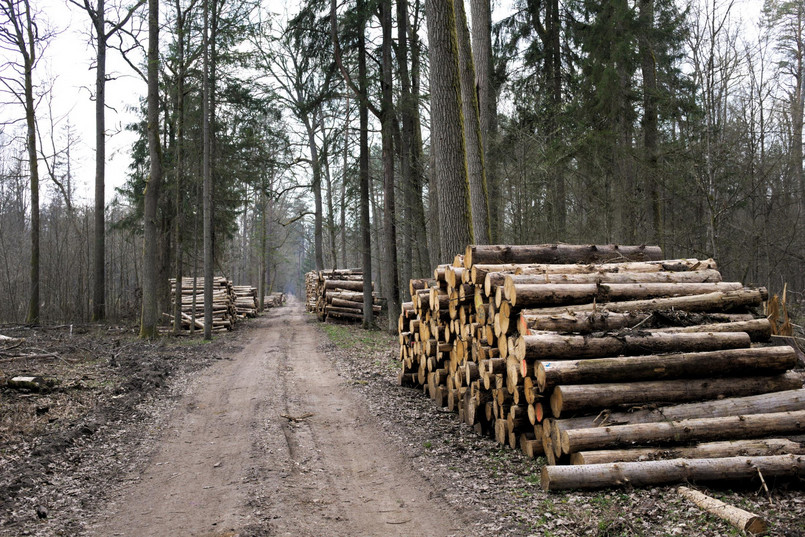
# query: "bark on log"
(557, 253)
(743, 520)
(721, 363)
(582, 322)
(637, 474)
(479, 272)
(339, 303)
(356, 285)
(710, 302)
(554, 346)
(764, 403)
(758, 329)
(684, 431)
(584, 397)
(345, 315)
(692, 276)
(554, 294)
(704, 450)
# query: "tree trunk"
(178, 197)
(648, 66)
(447, 131)
(555, 346)
(765, 403)
(587, 322)
(318, 227)
(480, 271)
(558, 253)
(344, 179)
(758, 329)
(639, 474)
(405, 133)
(554, 294)
(581, 323)
(685, 431)
(481, 30)
(363, 164)
(207, 176)
(423, 243)
(389, 212)
(597, 396)
(325, 157)
(150, 317)
(33, 165)
(619, 277)
(710, 302)
(757, 361)
(262, 273)
(476, 169)
(704, 450)
(99, 270)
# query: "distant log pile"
(274, 300)
(337, 294)
(229, 303)
(245, 301)
(551, 348)
(311, 290)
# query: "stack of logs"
(311, 290)
(632, 369)
(274, 300)
(338, 294)
(224, 312)
(245, 301)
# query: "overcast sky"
(68, 61)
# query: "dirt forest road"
(275, 442)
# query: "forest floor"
(283, 427)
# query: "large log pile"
(224, 311)
(337, 294)
(552, 348)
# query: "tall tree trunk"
(479, 195)
(329, 180)
(318, 225)
(99, 282)
(363, 165)
(29, 60)
(406, 250)
(261, 276)
(207, 174)
(178, 198)
(148, 325)
(423, 243)
(650, 135)
(447, 127)
(405, 132)
(481, 13)
(344, 179)
(554, 79)
(389, 208)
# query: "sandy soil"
(275, 438)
